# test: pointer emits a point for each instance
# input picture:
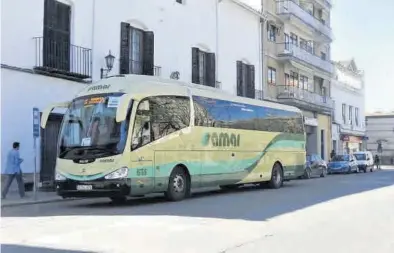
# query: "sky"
(364, 30)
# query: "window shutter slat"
(149, 52)
(245, 78)
(49, 54)
(251, 82)
(239, 78)
(195, 65)
(124, 62)
(210, 70)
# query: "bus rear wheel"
(276, 177)
(178, 185)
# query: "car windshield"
(90, 129)
(341, 158)
(361, 157)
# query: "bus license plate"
(84, 187)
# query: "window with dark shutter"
(195, 65)
(56, 41)
(210, 78)
(251, 90)
(245, 80)
(124, 48)
(239, 79)
(136, 51)
(148, 57)
(203, 67)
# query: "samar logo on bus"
(221, 139)
(99, 87)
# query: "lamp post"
(109, 62)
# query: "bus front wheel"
(276, 177)
(178, 185)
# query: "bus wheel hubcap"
(179, 183)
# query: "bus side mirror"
(48, 110)
(123, 107)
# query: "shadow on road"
(13, 248)
(252, 204)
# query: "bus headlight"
(120, 173)
(59, 177)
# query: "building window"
(203, 67)
(245, 80)
(287, 79)
(344, 113)
(287, 41)
(294, 39)
(179, 1)
(323, 56)
(351, 115)
(356, 116)
(271, 76)
(271, 32)
(136, 51)
(303, 82)
(293, 79)
(57, 33)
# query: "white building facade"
(348, 92)
(380, 132)
(63, 49)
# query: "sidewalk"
(13, 198)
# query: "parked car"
(315, 166)
(364, 161)
(343, 164)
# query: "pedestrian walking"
(377, 162)
(333, 153)
(13, 170)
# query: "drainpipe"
(217, 2)
(262, 52)
(261, 58)
(93, 35)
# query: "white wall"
(343, 93)
(19, 25)
(20, 92)
(239, 40)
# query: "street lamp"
(109, 62)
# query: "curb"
(35, 202)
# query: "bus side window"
(169, 114)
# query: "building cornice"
(247, 7)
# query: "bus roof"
(142, 85)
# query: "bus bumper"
(93, 189)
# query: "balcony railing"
(302, 97)
(140, 68)
(288, 7)
(62, 58)
(290, 50)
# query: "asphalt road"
(342, 213)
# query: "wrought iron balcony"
(62, 59)
(139, 68)
(288, 8)
(304, 99)
(289, 51)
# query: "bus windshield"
(90, 130)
